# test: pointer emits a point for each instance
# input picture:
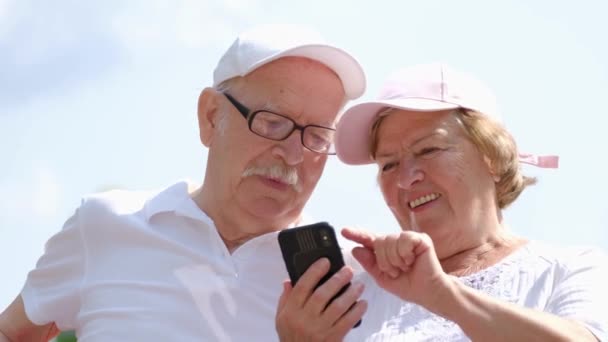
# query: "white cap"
(264, 44)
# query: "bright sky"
(100, 94)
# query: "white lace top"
(566, 282)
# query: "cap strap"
(547, 162)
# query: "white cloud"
(4, 8)
(181, 23)
(141, 25)
(7, 16)
(198, 24)
(47, 195)
(50, 35)
(46, 48)
(241, 6)
(37, 195)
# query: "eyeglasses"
(278, 127)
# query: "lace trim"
(496, 279)
(422, 325)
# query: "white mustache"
(283, 174)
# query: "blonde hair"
(496, 145)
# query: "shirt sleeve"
(52, 290)
(579, 292)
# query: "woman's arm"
(484, 318)
(407, 266)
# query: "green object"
(66, 336)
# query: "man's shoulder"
(119, 201)
(120, 198)
(124, 202)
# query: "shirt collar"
(176, 198)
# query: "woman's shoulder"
(561, 259)
(536, 260)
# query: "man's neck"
(235, 226)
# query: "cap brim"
(343, 64)
(353, 138)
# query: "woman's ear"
(491, 168)
(208, 115)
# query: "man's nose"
(291, 149)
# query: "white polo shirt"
(135, 266)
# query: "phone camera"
(325, 240)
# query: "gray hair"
(239, 81)
(225, 87)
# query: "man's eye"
(320, 139)
(272, 122)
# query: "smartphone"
(302, 246)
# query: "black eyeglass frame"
(250, 115)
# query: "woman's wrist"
(463, 305)
(442, 299)
(446, 299)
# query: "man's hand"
(306, 314)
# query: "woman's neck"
(482, 255)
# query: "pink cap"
(422, 88)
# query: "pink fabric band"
(547, 162)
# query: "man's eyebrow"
(268, 106)
(274, 107)
(271, 106)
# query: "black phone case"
(302, 246)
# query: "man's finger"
(320, 299)
(307, 282)
(284, 295)
(343, 303)
(348, 321)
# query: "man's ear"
(208, 115)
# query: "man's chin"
(274, 209)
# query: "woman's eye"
(388, 166)
(427, 151)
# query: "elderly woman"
(447, 168)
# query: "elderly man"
(192, 264)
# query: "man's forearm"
(3, 337)
(16, 326)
